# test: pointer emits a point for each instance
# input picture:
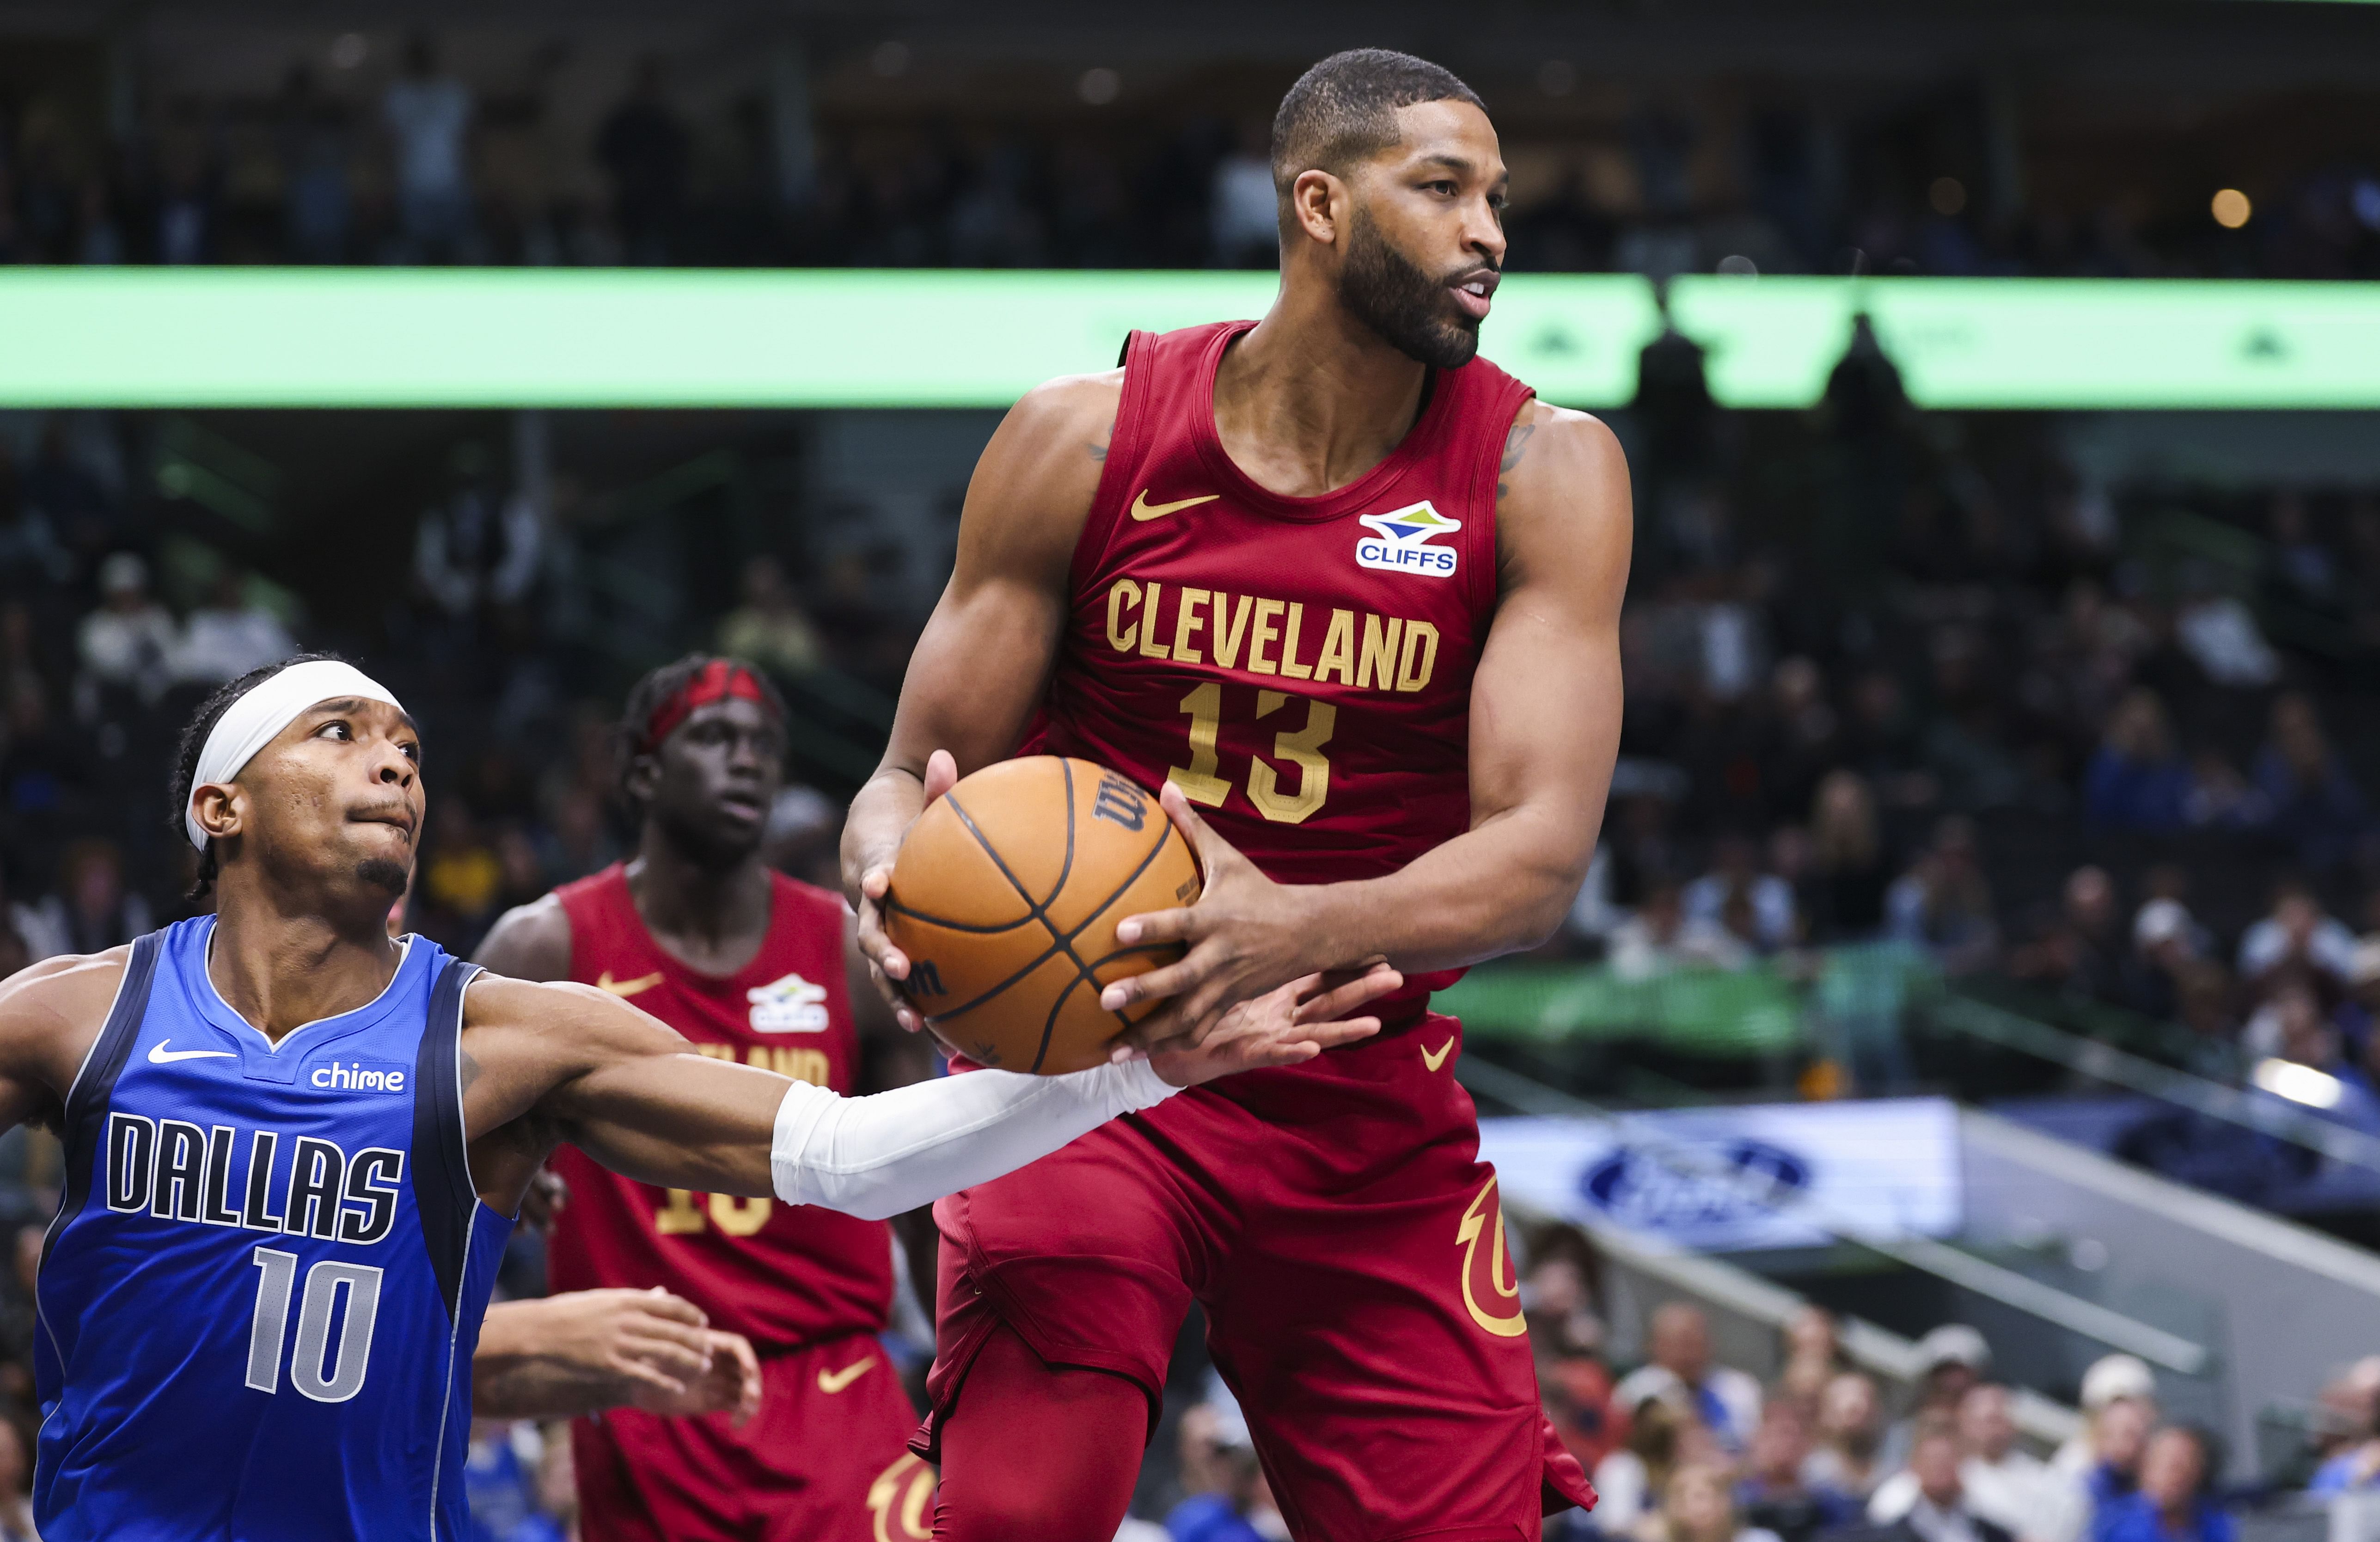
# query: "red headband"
(718, 680)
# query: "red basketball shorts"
(1335, 1222)
(824, 1461)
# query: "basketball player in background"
(751, 967)
(1350, 597)
(294, 1145)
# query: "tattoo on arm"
(468, 1068)
(1099, 446)
(1515, 444)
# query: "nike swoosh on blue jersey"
(160, 1055)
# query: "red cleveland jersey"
(1300, 667)
(781, 1275)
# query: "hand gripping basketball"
(887, 965)
(1243, 936)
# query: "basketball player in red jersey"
(751, 966)
(1350, 597)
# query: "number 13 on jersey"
(1300, 746)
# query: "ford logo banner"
(1725, 1180)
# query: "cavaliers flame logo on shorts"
(1494, 1272)
(902, 1500)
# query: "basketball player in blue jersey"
(295, 1144)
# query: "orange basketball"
(1006, 896)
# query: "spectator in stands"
(2304, 568)
(92, 909)
(1931, 1505)
(1229, 1498)
(2297, 936)
(1660, 937)
(2166, 943)
(16, 1482)
(230, 634)
(2119, 1437)
(1243, 212)
(2221, 798)
(428, 113)
(1773, 1495)
(2112, 1378)
(2012, 1487)
(770, 628)
(1557, 1294)
(2316, 806)
(2136, 780)
(1951, 1358)
(1845, 1463)
(1724, 1400)
(1849, 874)
(2359, 1014)
(317, 206)
(129, 643)
(2080, 954)
(2347, 1436)
(1943, 903)
(1804, 737)
(2351, 1471)
(1630, 1479)
(645, 150)
(2220, 635)
(500, 1480)
(2175, 1502)
(1814, 1356)
(2291, 1027)
(1697, 1507)
(1755, 907)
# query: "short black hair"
(194, 739)
(646, 696)
(1344, 109)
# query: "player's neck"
(281, 968)
(711, 916)
(1313, 398)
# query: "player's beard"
(382, 873)
(1388, 292)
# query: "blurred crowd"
(408, 161)
(1910, 687)
(1685, 1447)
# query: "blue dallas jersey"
(259, 1300)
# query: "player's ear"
(644, 775)
(1318, 204)
(216, 806)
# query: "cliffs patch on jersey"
(1402, 544)
(789, 1005)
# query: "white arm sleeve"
(879, 1156)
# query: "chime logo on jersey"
(1404, 545)
(358, 1076)
(791, 1005)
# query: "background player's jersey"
(259, 1302)
(782, 1275)
(1301, 668)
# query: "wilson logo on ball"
(1120, 802)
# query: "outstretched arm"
(1545, 727)
(547, 1063)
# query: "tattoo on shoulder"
(1099, 446)
(468, 1068)
(1516, 443)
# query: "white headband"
(271, 705)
